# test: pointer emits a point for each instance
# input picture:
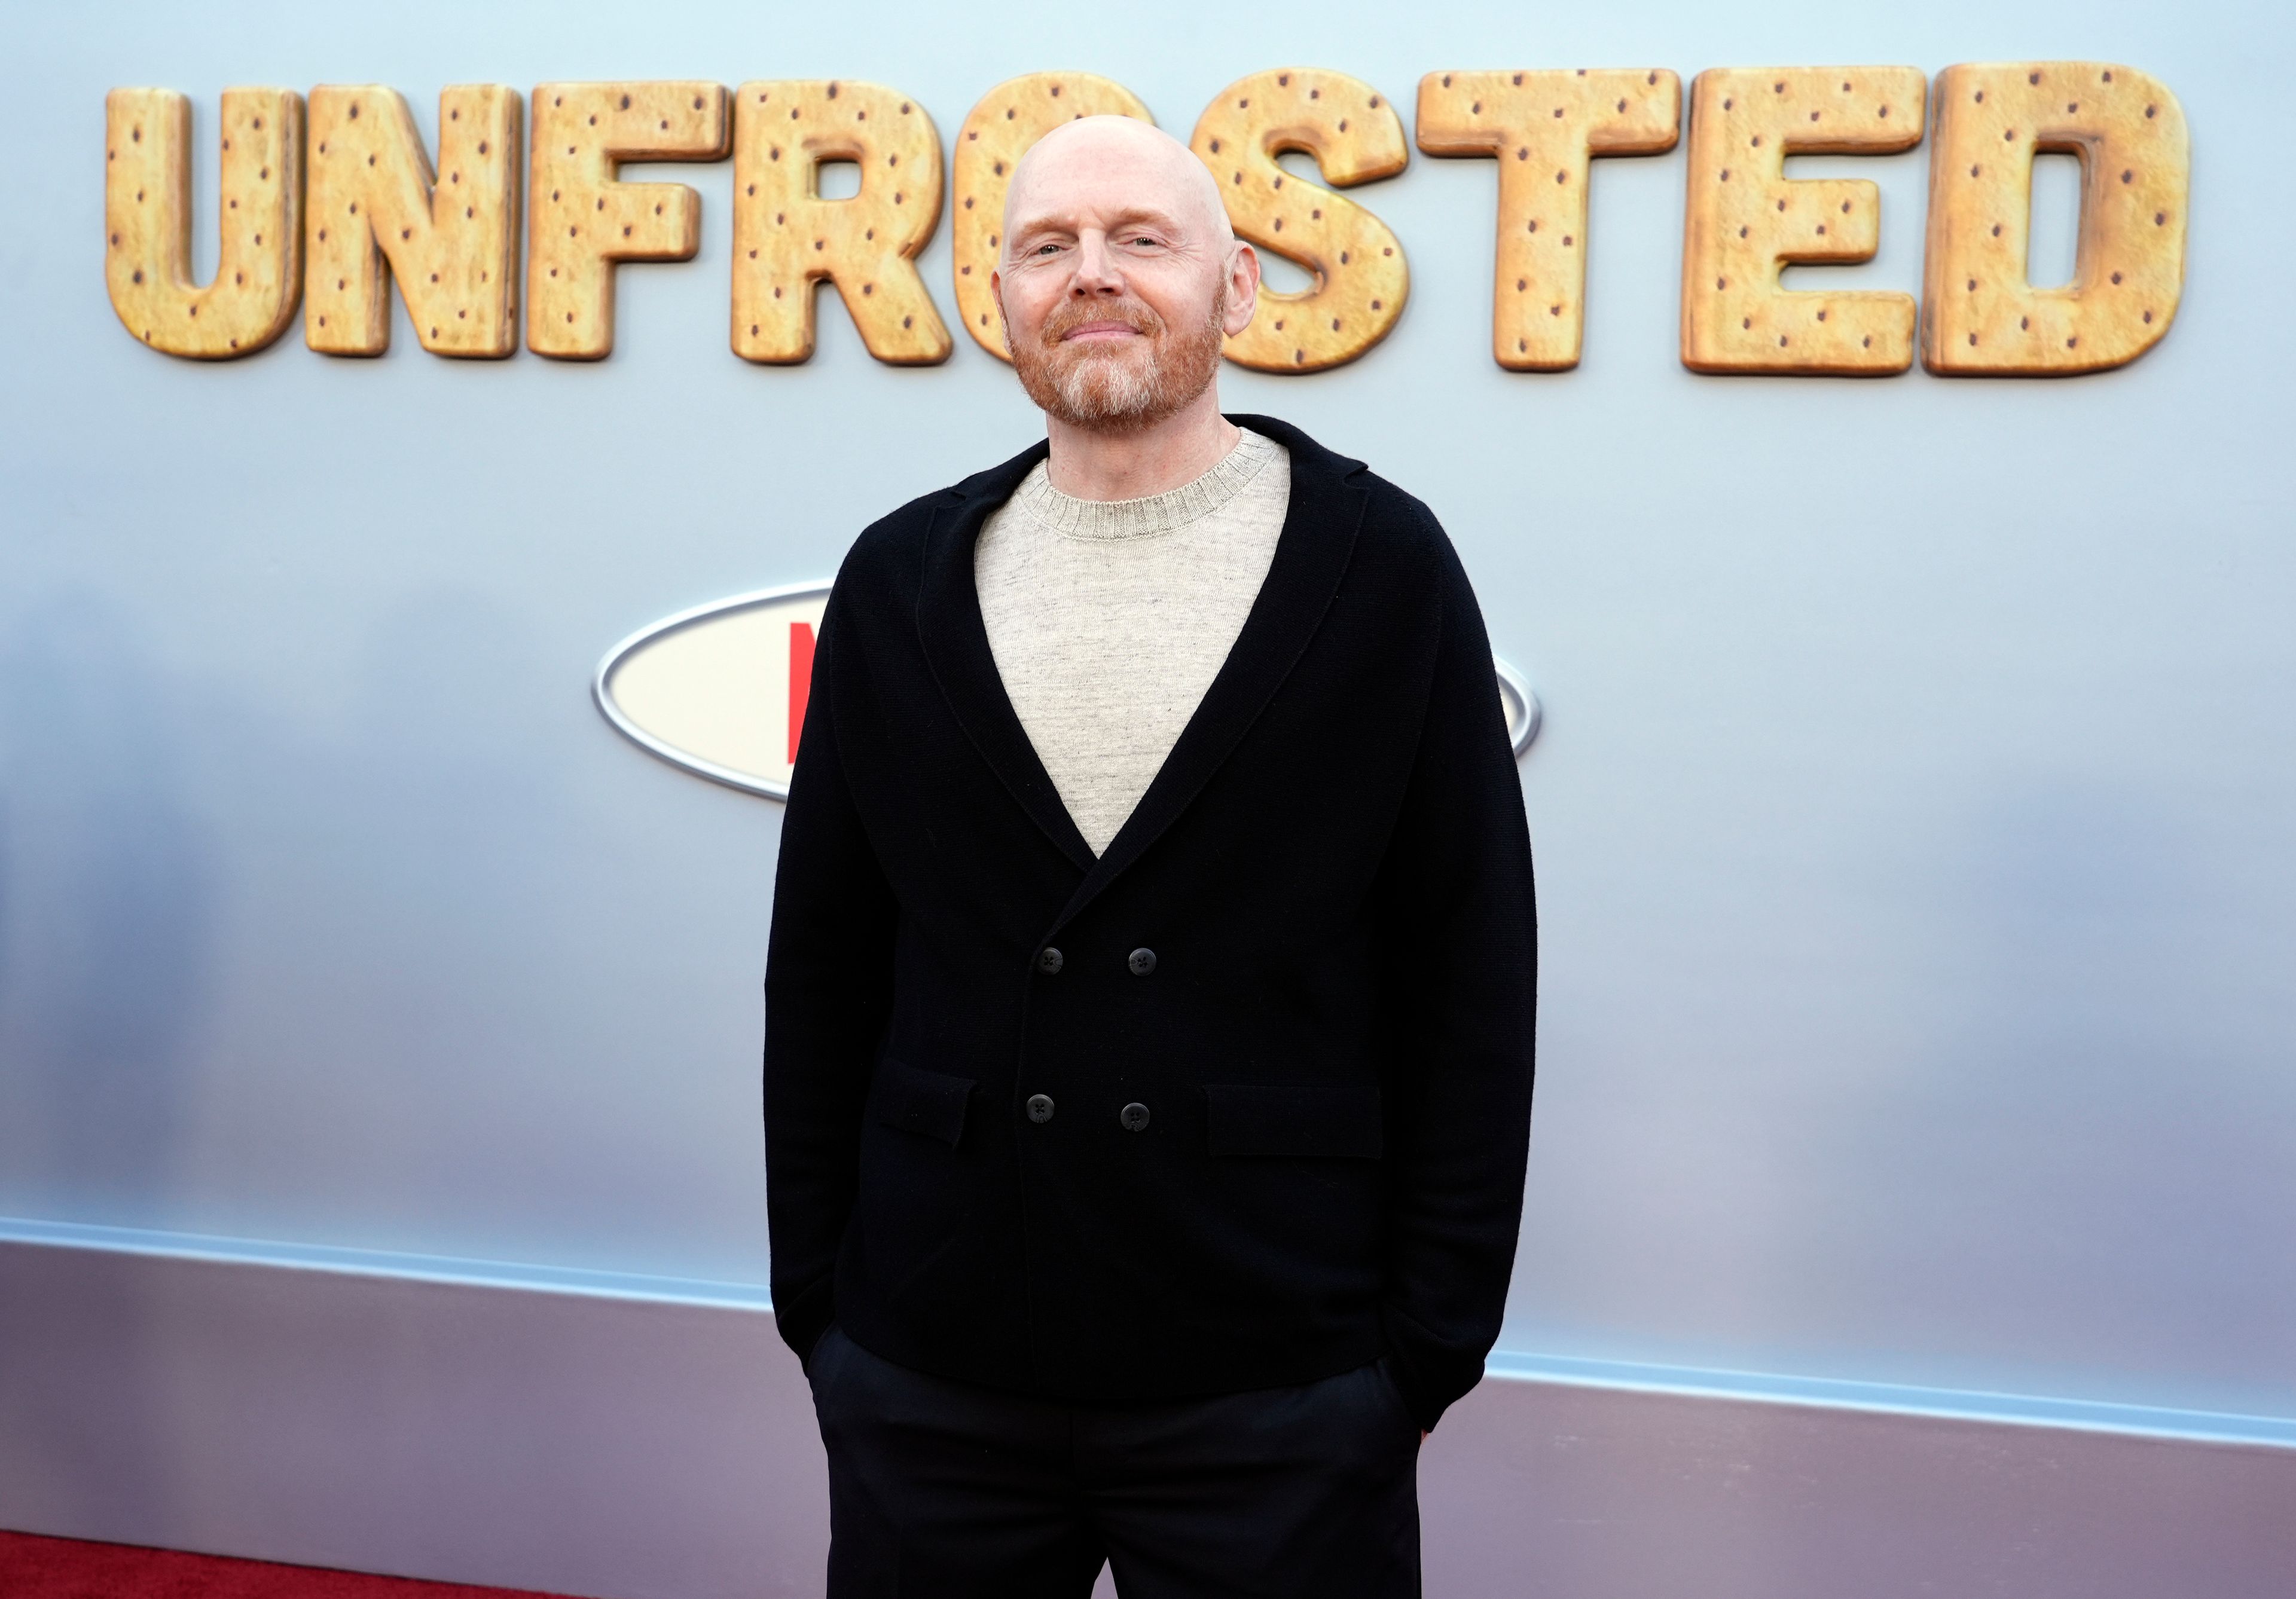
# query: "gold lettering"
(787, 238)
(1981, 313)
(379, 211)
(582, 221)
(1361, 278)
(1746, 220)
(1542, 128)
(147, 214)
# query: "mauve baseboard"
(645, 1449)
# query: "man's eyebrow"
(1133, 217)
(1141, 215)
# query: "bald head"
(1113, 164)
(1120, 278)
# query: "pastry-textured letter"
(378, 211)
(1746, 220)
(1354, 136)
(787, 238)
(147, 220)
(1542, 127)
(1982, 315)
(581, 219)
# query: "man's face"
(1120, 278)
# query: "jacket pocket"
(928, 1102)
(1332, 1121)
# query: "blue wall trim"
(2025, 1410)
(386, 1263)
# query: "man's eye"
(1046, 249)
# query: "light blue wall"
(1913, 815)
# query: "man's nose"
(1096, 268)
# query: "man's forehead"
(1042, 209)
(1128, 172)
(1104, 177)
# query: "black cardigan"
(1330, 885)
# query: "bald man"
(1149, 1004)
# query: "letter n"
(378, 210)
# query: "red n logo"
(800, 681)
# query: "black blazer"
(1310, 954)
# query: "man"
(1148, 1050)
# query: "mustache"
(1076, 313)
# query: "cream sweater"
(1109, 619)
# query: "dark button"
(1040, 1107)
(1049, 960)
(1134, 1116)
(1141, 962)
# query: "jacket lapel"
(956, 648)
(1311, 557)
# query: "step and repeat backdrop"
(426, 430)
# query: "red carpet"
(63, 1568)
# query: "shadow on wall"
(107, 898)
(392, 977)
(342, 983)
(480, 1006)
(2096, 969)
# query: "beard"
(1122, 388)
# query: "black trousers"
(943, 1490)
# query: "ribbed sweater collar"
(1066, 514)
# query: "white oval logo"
(720, 690)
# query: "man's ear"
(996, 294)
(1242, 289)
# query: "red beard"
(1124, 386)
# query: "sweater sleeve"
(828, 993)
(1461, 963)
